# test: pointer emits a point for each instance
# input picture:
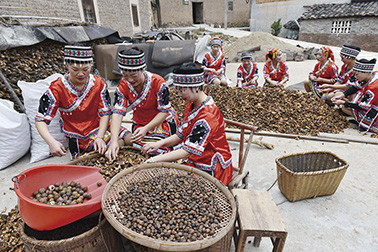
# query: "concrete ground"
(344, 221)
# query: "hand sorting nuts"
(110, 169)
(62, 194)
(170, 207)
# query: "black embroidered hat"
(188, 75)
(350, 51)
(131, 59)
(364, 65)
(246, 55)
(79, 54)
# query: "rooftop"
(319, 11)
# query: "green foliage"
(276, 27)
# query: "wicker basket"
(220, 241)
(100, 238)
(308, 175)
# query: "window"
(186, 1)
(89, 11)
(230, 5)
(341, 27)
(134, 10)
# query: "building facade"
(265, 12)
(188, 12)
(354, 23)
(125, 16)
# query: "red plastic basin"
(41, 216)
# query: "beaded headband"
(349, 51)
(246, 55)
(188, 80)
(366, 67)
(78, 54)
(131, 62)
(216, 41)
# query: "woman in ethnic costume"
(247, 73)
(364, 106)
(345, 80)
(201, 131)
(325, 71)
(147, 95)
(214, 64)
(84, 105)
(275, 69)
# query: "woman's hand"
(338, 102)
(99, 145)
(150, 147)
(139, 134)
(313, 78)
(220, 71)
(57, 149)
(112, 152)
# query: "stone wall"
(363, 32)
(175, 12)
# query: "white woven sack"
(32, 92)
(14, 134)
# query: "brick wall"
(114, 14)
(67, 9)
(363, 32)
(177, 13)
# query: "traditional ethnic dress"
(202, 132)
(80, 111)
(246, 77)
(365, 105)
(328, 71)
(276, 74)
(345, 74)
(153, 99)
(210, 61)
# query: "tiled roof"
(360, 9)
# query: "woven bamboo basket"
(310, 174)
(220, 241)
(100, 238)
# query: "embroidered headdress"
(350, 51)
(272, 54)
(188, 75)
(328, 52)
(246, 55)
(79, 54)
(364, 65)
(131, 59)
(215, 41)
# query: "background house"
(264, 12)
(125, 16)
(188, 12)
(353, 23)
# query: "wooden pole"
(274, 134)
(13, 94)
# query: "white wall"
(263, 15)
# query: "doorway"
(197, 13)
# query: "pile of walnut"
(31, 63)
(273, 109)
(126, 158)
(170, 207)
(9, 236)
(62, 194)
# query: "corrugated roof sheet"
(361, 9)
